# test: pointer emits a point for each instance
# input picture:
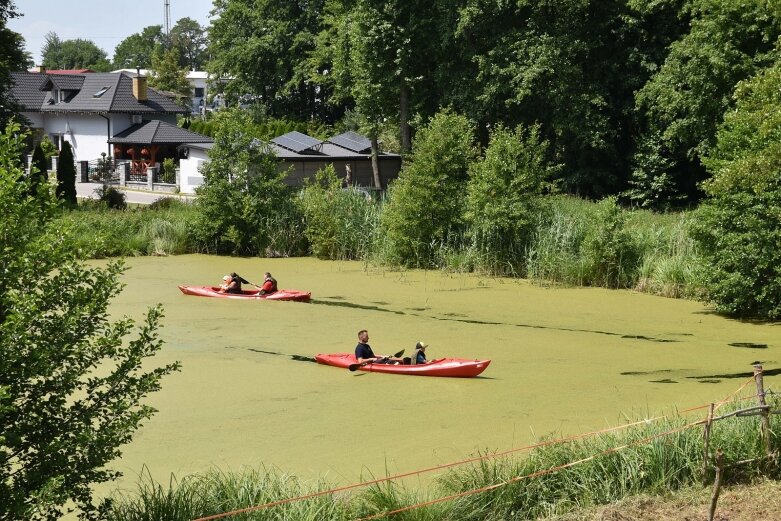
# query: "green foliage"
(168, 173)
(137, 49)
(113, 199)
(243, 205)
(66, 175)
(73, 54)
(161, 228)
(168, 76)
(13, 57)
(39, 173)
(71, 383)
(340, 222)
(609, 251)
(189, 40)
(425, 204)
(48, 147)
(739, 226)
(504, 202)
(687, 97)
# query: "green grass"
(644, 459)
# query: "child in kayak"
(230, 284)
(419, 356)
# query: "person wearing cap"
(230, 284)
(269, 285)
(419, 356)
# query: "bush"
(610, 252)
(738, 228)
(504, 202)
(425, 204)
(113, 198)
(340, 223)
(66, 175)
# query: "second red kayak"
(453, 367)
(212, 291)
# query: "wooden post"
(705, 448)
(765, 413)
(714, 498)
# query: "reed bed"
(650, 458)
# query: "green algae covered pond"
(564, 361)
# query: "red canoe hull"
(249, 294)
(452, 367)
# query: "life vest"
(273, 282)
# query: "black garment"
(364, 351)
(235, 285)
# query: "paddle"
(245, 281)
(354, 367)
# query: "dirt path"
(740, 503)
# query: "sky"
(105, 22)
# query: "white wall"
(87, 133)
(189, 170)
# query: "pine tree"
(66, 175)
(39, 173)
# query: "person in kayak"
(365, 355)
(419, 356)
(230, 284)
(269, 285)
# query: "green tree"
(504, 203)
(682, 104)
(424, 208)
(189, 39)
(242, 193)
(66, 175)
(137, 49)
(12, 58)
(39, 171)
(73, 54)
(738, 230)
(71, 384)
(264, 46)
(168, 76)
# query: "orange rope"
(461, 462)
(532, 475)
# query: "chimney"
(139, 86)
(39, 68)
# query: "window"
(100, 92)
(57, 140)
(198, 92)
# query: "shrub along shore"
(576, 243)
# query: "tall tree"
(71, 384)
(73, 54)
(738, 229)
(167, 75)
(12, 58)
(66, 175)
(189, 39)
(263, 45)
(137, 49)
(682, 104)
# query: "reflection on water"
(563, 361)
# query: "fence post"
(706, 442)
(765, 413)
(714, 498)
(124, 173)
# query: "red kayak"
(252, 294)
(454, 367)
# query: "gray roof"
(117, 98)
(158, 132)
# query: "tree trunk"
(376, 162)
(406, 140)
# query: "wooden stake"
(706, 442)
(765, 413)
(714, 499)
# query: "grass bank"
(554, 479)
